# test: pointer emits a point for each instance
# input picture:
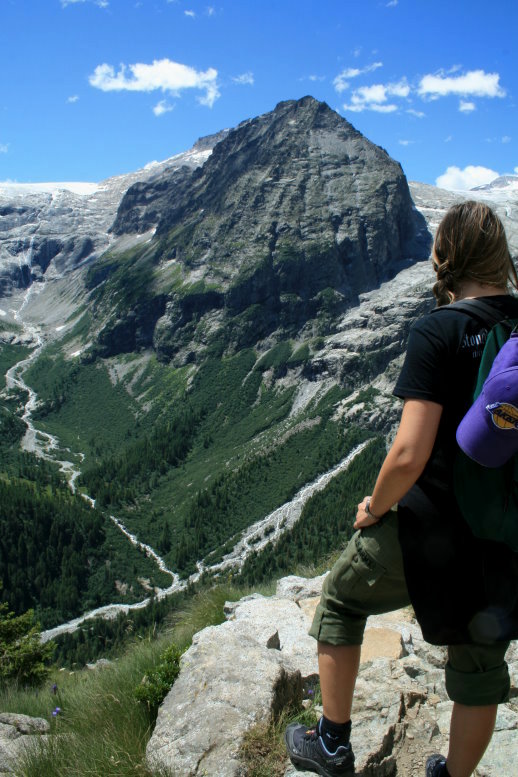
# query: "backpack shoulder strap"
(477, 309)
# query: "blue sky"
(95, 88)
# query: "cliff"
(292, 216)
(260, 660)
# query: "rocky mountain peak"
(509, 182)
(293, 215)
(207, 142)
(267, 231)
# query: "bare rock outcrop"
(237, 674)
(17, 733)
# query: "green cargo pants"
(368, 579)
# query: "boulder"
(17, 733)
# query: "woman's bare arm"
(406, 459)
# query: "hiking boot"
(307, 751)
(435, 765)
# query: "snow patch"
(13, 189)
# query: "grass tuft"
(263, 752)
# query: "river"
(254, 538)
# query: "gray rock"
(294, 214)
(239, 673)
(297, 588)
(25, 724)
(229, 608)
(203, 719)
(101, 663)
(17, 734)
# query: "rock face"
(261, 658)
(276, 230)
(293, 215)
(298, 180)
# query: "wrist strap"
(368, 510)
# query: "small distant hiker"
(464, 588)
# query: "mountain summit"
(290, 218)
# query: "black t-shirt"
(441, 364)
(456, 582)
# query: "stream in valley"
(252, 539)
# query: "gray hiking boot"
(435, 766)
(308, 751)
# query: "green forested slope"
(57, 554)
(187, 457)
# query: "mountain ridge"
(201, 372)
(286, 209)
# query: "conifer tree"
(23, 656)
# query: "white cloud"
(163, 74)
(244, 78)
(377, 93)
(192, 14)
(448, 139)
(516, 170)
(400, 89)
(359, 107)
(99, 3)
(506, 139)
(316, 78)
(385, 108)
(392, 3)
(406, 142)
(380, 97)
(4, 148)
(375, 97)
(471, 176)
(73, 98)
(211, 10)
(341, 82)
(476, 83)
(162, 107)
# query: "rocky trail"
(261, 659)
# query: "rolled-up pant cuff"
(478, 688)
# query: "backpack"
(488, 497)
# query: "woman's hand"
(363, 519)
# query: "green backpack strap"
(497, 337)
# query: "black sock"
(334, 734)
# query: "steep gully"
(47, 446)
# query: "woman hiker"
(464, 590)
